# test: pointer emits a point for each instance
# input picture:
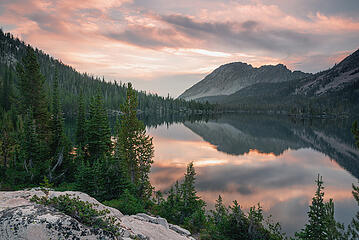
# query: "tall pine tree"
(81, 123)
(57, 119)
(32, 93)
(134, 146)
(62, 162)
(98, 130)
(33, 151)
(321, 223)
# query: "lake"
(268, 159)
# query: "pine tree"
(85, 177)
(57, 119)
(335, 229)
(221, 212)
(33, 151)
(7, 139)
(316, 229)
(353, 229)
(6, 92)
(62, 162)
(32, 92)
(193, 213)
(81, 123)
(117, 176)
(355, 132)
(191, 202)
(115, 180)
(98, 130)
(134, 146)
(321, 223)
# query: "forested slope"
(72, 83)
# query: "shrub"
(83, 212)
(127, 204)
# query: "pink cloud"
(120, 39)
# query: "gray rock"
(22, 219)
(40, 222)
(141, 225)
(146, 217)
(162, 222)
(179, 230)
(18, 198)
(157, 220)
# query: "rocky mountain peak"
(229, 78)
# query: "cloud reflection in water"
(282, 183)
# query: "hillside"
(72, 83)
(336, 89)
(232, 77)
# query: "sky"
(165, 46)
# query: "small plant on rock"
(84, 212)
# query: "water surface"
(253, 158)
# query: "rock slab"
(22, 219)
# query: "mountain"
(340, 77)
(333, 90)
(229, 78)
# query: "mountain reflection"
(254, 159)
(238, 134)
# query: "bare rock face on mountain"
(22, 219)
(229, 78)
(339, 77)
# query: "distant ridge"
(232, 77)
(334, 91)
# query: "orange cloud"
(123, 40)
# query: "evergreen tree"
(183, 206)
(85, 181)
(62, 161)
(353, 228)
(7, 139)
(191, 202)
(316, 229)
(33, 151)
(32, 92)
(134, 146)
(57, 119)
(335, 229)
(221, 212)
(321, 223)
(81, 123)
(98, 133)
(355, 132)
(6, 92)
(117, 176)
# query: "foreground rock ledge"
(22, 219)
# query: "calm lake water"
(253, 158)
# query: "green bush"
(127, 204)
(83, 212)
(66, 187)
